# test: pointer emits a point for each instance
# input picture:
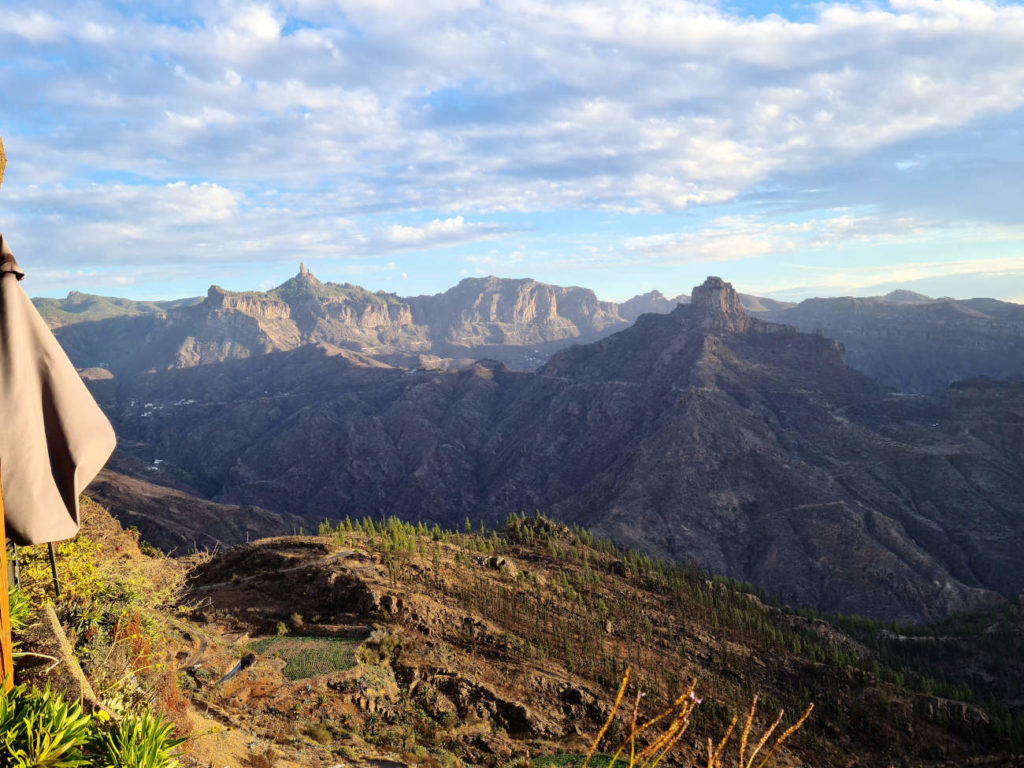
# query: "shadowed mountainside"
(178, 522)
(914, 343)
(702, 434)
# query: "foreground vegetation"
(39, 728)
(535, 613)
(118, 618)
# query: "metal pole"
(53, 569)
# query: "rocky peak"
(215, 296)
(302, 285)
(716, 306)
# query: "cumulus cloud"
(316, 114)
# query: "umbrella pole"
(6, 656)
(53, 569)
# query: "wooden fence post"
(6, 656)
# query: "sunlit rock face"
(716, 306)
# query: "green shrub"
(138, 741)
(21, 608)
(40, 729)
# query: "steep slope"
(916, 344)
(703, 434)
(491, 310)
(178, 522)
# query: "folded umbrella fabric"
(53, 436)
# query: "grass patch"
(306, 657)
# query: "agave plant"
(21, 613)
(137, 741)
(40, 729)
(21, 608)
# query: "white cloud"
(442, 109)
(33, 26)
(732, 238)
(652, 105)
(826, 280)
(438, 232)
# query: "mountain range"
(703, 434)
(907, 341)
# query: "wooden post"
(6, 656)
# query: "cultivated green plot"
(306, 657)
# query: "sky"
(794, 149)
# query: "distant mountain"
(759, 305)
(906, 297)
(905, 340)
(84, 307)
(914, 343)
(491, 311)
(701, 434)
(518, 321)
(652, 301)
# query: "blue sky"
(795, 149)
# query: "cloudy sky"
(794, 149)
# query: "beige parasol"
(53, 436)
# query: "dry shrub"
(169, 699)
(648, 751)
(128, 633)
(265, 759)
(319, 733)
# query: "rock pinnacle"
(717, 306)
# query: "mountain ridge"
(708, 434)
(908, 341)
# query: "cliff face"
(484, 311)
(520, 321)
(703, 434)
